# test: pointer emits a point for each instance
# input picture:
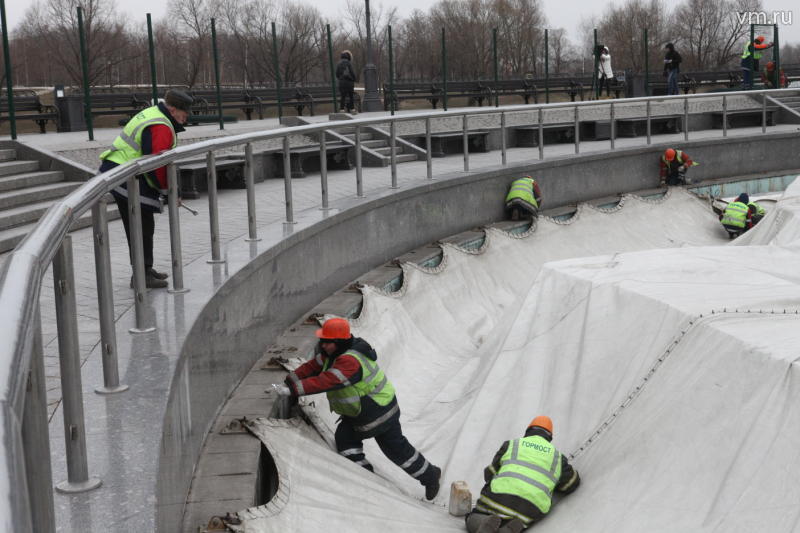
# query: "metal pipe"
(465, 142)
(541, 135)
(213, 207)
(577, 132)
(428, 156)
(444, 72)
(105, 301)
(359, 166)
(78, 479)
(496, 71)
(87, 95)
(137, 253)
(36, 439)
(250, 183)
(323, 169)
(724, 116)
(391, 72)
(613, 132)
(649, 125)
(287, 180)
(546, 68)
(151, 47)
(646, 65)
(216, 73)
(7, 64)
(392, 152)
(331, 69)
(277, 66)
(686, 119)
(176, 251)
(503, 139)
(764, 110)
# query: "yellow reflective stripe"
(515, 460)
(569, 483)
(380, 420)
(528, 480)
(340, 376)
(502, 510)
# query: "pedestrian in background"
(750, 56)
(346, 76)
(672, 68)
(604, 72)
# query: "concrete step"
(8, 154)
(387, 151)
(38, 193)
(402, 158)
(352, 135)
(375, 143)
(17, 167)
(10, 237)
(24, 214)
(29, 179)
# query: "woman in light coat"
(604, 72)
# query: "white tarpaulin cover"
(665, 360)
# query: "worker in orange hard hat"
(750, 56)
(346, 369)
(673, 167)
(773, 79)
(521, 480)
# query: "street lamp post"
(372, 100)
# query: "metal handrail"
(21, 275)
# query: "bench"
(633, 127)
(205, 102)
(476, 92)
(193, 179)
(528, 136)
(526, 88)
(29, 107)
(743, 118)
(306, 159)
(452, 142)
(108, 104)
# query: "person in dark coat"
(672, 68)
(346, 77)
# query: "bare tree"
(194, 18)
(621, 29)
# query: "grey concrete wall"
(299, 269)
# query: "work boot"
(483, 523)
(152, 282)
(512, 526)
(156, 274)
(432, 488)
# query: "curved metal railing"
(25, 456)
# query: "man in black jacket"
(346, 76)
(672, 68)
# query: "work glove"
(282, 390)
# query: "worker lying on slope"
(523, 199)
(345, 368)
(673, 167)
(520, 482)
(737, 217)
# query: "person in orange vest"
(673, 167)
(520, 482)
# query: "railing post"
(764, 108)
(359, 166)
(323, 168)
(613, 132)
(428, 157)
(213, 207)
(78, 479)
(287, 180)
(649, 125)
(105, 301)
(541, 135)
(137, 253)
(392, 150)
(577, 132)
(685, 119)
(503, 138)
(36, 439)
(176, 251)
(724, 115)
(250, 183)
(465, 141)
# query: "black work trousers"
(346, 95)
(148, 229)
(393, 444)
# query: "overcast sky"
(558, 16)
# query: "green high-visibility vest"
(529, 469)
(374, 383)
(735, 215)
(760, 211)
(746, 53)
(522, 189)
(128, 144)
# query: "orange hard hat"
(543, 422)
(669, 154)
(334, 329)
(760, 39)
(770, 65)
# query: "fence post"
(9, 82)
(323, 168)
(152, 49)
(646, 65)
(287, 180)
(359, 170)
(249, 176)
(649, 125)
(724, 116)
(612, 125)
(336, 106)
(175, 230)
(428, 160)
(78, 479)
(465, 141)
(577, 132)
(216, 73)
(444, 72)
(541, 136)
(546, 67)
(87, 97)
(496, 71)
(595, 85)
(503, 138)
(392, 152)
(137, 257)
(277, 67)
(391, 73)
(213, 207)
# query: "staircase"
(375, 143)
(790, 104)
(26, 193)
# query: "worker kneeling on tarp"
(523, 199)
(520, 482)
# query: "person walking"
(604, 72)
(151, 131)
(346, 369)
(346, 77)
(750, 56)
(672, 68)
(523, 198)
(520, 482)
(673, 166)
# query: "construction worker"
(737, 217)
(758, 212)
(673, 167)
(520, 482)
(771, 78)
(151, 131)
(524, 198)
(345, 368)
(750, 57)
